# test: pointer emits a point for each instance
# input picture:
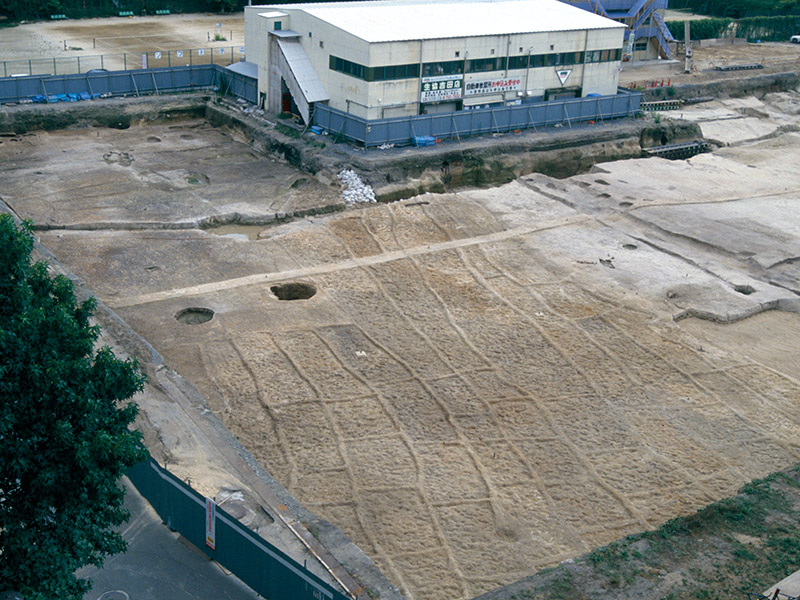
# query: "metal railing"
(123, 61)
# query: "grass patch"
(740, 544)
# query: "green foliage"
(765, 28)
(737, 9)
(64, 437)
(75, 9)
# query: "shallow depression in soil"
(237, 232)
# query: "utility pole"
(687, 42)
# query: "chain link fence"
(125, 61)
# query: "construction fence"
(266, 569)
(87, 86)
(123, 61)
(455, 125)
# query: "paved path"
(159, 565)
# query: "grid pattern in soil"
(469, 415)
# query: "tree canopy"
(64, 436)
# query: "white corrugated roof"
(396, 20)
(248, 69)
(303, 71)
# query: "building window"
(483, 65)
(276, 25)
(458, 53)
(385, 73)
(309, 34)
(450, 67)
(517, 62)
(321, 44)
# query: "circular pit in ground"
(293, 291)
(194, 315)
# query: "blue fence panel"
(126, 83)
(259, 564)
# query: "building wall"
(399, 97)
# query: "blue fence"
(259, 564)
(402, 130)
(55, 88)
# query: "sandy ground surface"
(485, 382)
(777, 57)
(118, 34)
(88, 39)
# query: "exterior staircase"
(641, 17)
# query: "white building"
(388, 58)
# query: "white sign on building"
(492, 86)
(440, 88)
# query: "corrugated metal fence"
(54, 88)
(401, 130)
(259, 564)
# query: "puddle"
(237, 232)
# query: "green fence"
(259, 564)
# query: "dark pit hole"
(604, 195)
(601, 182)
(293, 291)
(626, 204)
(187, 136)
(153, 138)
(630, 246)
(745, 289)
(664, 139)
(194, 315)
(152, 268)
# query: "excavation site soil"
(471, 385)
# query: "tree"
(64, 437)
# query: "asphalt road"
(159, 565)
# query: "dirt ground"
(486, 382)
(776, 57)
(112, 37)
(47, 39)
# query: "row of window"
(475, 65)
